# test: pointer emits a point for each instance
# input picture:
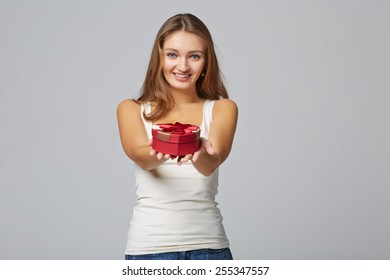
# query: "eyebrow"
(174, 50)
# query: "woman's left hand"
(205, 146)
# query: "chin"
(180, 87)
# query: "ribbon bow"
(178, 128)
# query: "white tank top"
(176, 208)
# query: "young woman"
(177, 216)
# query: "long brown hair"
(155, 88)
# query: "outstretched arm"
(214, 150)
(133, 136)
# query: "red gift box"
(175, 139)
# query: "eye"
(171, 55)
(195, 57)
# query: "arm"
(133, 136)
(216, 149)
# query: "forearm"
(206, 163)
(216, 148)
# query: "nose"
(183, 65)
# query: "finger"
(195, 156)
(159, 156)
(209, 148)
(179, 160)
(186, 158)
(152, 152)
(167, 156)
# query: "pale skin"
(183, 63)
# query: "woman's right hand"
(158, 154)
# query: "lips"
(181, 77)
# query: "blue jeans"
(202, 254)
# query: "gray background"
(308, 177)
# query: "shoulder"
(128, 110)
(128, 104)
(225, 106)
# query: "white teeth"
(181, 76)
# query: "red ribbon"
(178, 128)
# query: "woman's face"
(183, 60)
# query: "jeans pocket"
(216, 251)
(218, 254)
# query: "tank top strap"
(207, 117)
(147, 109)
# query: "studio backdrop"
(308, 176)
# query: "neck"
(184, 96)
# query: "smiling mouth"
(182, 76)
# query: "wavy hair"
(155, 88)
